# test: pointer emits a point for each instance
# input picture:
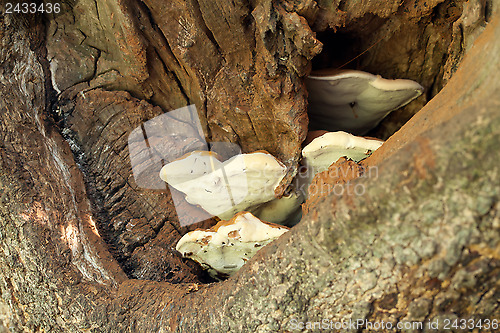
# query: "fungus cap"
(328, 148)
(243, 181)
(190, 166)
(355, 101)
(225, 247)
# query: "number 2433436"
(32, 8)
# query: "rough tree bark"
(82, 248)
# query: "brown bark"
(75, 231)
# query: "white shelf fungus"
(224, 248)
(355, 101)
(225, 188)
(328, 148)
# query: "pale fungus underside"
(224, 248)
(355, 101)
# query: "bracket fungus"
(326, 149)
(225, 188)
(225, 247)
(355, 101)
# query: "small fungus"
(326, 149)
(245, 233)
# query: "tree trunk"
(83, 248)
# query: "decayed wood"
(422, 242)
